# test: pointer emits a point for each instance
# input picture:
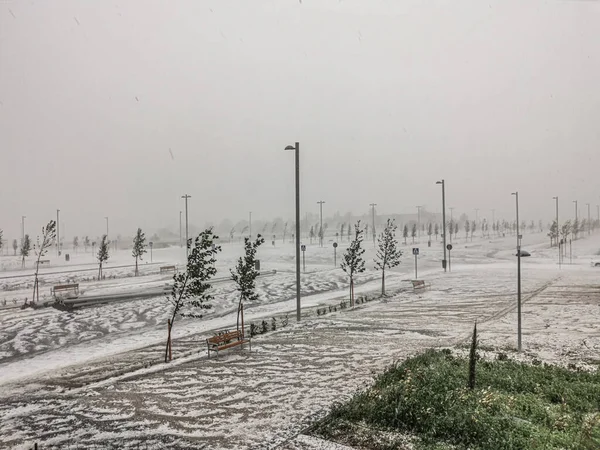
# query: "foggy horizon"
(120, 109)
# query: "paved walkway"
(264, 398)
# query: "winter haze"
(119, 108)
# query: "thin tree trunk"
(237, 325)
(136, 266)
(383, 282)
(177, 306)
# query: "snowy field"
(93, 377)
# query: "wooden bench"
(74, 288)
(166, 269)
(226, 340)
(419, 285)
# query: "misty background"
(118, 108)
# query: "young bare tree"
(429, 230)
(285, 226)
(473, 229)
(1, 240)
(231, 234)
(349, 234)
(388, 254)
(342, 232)
(353, 262)
(413, 232)
(436, 231)
(190, 292)
(25, 249)
(15, 247)
(553, 234)
(48, 236)
(245, 273)
(467, 229)
(102, 255)
(75, 243)
(456, 228)
(311, 234)
(86, 243)
(139, 247)
(405, 233)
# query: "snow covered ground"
(108, 388)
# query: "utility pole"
(320, 203)
(57, 233)
(519, 346)
(180, 241)
(419, 223)
(443, 219)
(373, 205)
(187, 247)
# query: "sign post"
(303, 248)
(335, 254)
(416, 253)
(449, 247)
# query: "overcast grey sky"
(385, 98)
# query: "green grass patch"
(513, 406)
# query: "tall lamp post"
(22, 229)
(519, 347)
(296, 148)
(187, 247)
(373, 205)
(419, 222)
(588, 222)
(57, 233)
(443, 219)
(320, 203)
(557, 231)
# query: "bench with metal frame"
(419, 285)
(65, 288)
(227, 340)
(165, 269)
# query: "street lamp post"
(557, 231)
(443, 219)
(320, 203)
(187, 247)
(451, 223)
(296, 148)
(22, 229)
(180, 241)
(419, 222)
(57, 233)
(519, 347)
(588, 221)
(373, 205)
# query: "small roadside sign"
(303, 247)
(449, 246)
(335, 245)
(415, 251)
